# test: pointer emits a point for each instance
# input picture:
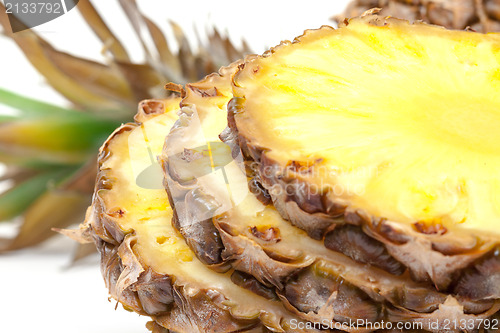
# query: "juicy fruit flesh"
(256, 240)
(403, 128)
(250, 215)
(146, 213)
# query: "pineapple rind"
(481, 16)
(271, 262)
(385, 212)
(146, 265)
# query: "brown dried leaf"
(34, 49)
(186, 56)
(166, 56)
(135, 18)
(105, 81)
(53, 209)
(16, 174)
(97, 24)
(78, 235)
(83, 181)
(245, 48)
(57, 208)
(204, 63)
(216, 46)
(155, 45)
(144, 80)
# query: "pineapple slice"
(391, 125)
(146, 264)
(227, 226)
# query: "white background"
(38, 292)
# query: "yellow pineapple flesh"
(396, 120)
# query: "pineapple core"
(401, 121)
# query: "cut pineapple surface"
(393, 120)
(227, 226)
(146, 263)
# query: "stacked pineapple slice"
(369, 158)
(340, 182)
(146, 264)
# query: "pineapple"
(50, 150)
(409, 161)
(228, 227)
(146, 264)
(390, 188)
(479, 15)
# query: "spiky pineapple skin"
(481, 15)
